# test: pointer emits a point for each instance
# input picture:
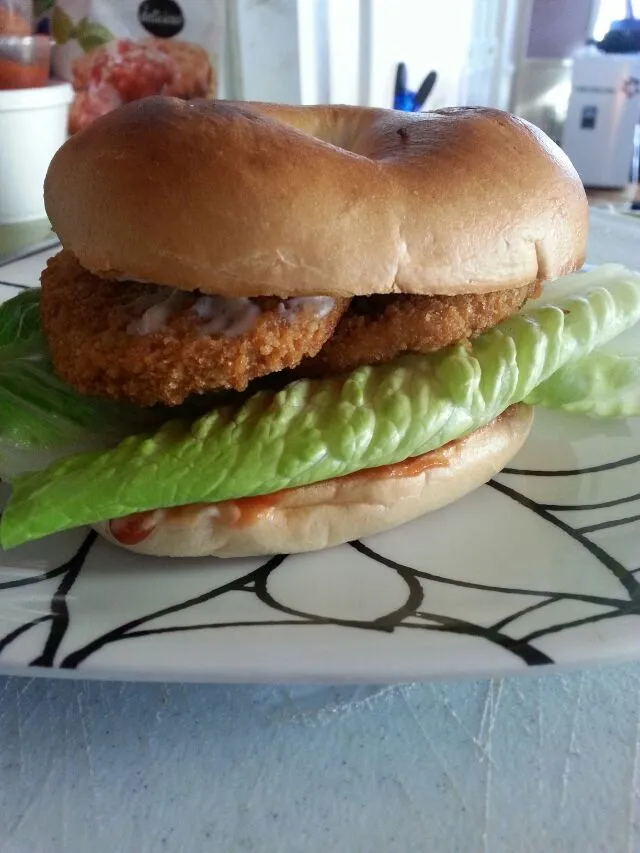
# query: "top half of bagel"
(266, 200)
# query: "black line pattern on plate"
(519, 647)
(583, 507)
(58, 617)
(15, 286)
(75, 658)
(59, 609)
(573, 472)
(623, 575)
(606, 525)
(508, 590)
(43, 576)
(409, 615)
(386, 622)
(20, 630)
(43, 246)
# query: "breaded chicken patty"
(150, 344)
(377, 328)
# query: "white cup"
(33, 125)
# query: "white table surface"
(540, 763)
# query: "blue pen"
(406, 100)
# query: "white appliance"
(604, 110)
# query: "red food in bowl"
(24, 61)
(124, 70)
(12, 23)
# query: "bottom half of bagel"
(313, 517)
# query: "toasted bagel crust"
(246, 199)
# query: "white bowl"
(33, 125)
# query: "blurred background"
(572, 67)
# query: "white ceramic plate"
(541, 566)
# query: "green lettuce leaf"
(41, 417)
(316, 430)
(20, 328)
(605, 384)
(602, 385)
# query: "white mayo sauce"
(320, 305)
(219, 315)
(227, 317)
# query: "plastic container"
(16, 17)
(24, 61)
(33, 125)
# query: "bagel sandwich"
(275, 329)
